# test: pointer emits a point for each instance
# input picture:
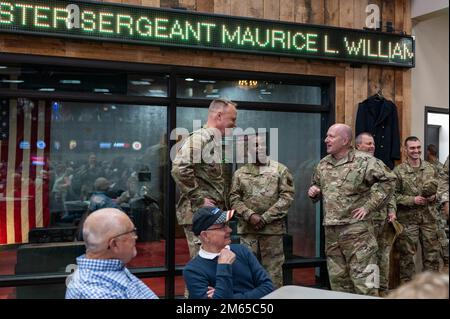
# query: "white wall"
(423, 7)
(442, 120)
(430, 77)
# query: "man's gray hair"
(358, 139)
(99, 226)
(219, 105)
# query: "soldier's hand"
(359, 213)
(254, 219)
(431, 199)
(210, 292)
(391, 217)
(313, 191)
(260, 225)
(226, 256)
(209, 202)
(420, 200)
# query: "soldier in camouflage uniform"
(364, 142)
(198, 170)
(261, 193)
(416, 211)
(353, 185)
(432, 158)
(443, 189)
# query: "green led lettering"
(258, 41)
(208, 30)
(406, 53)
(88, 21)
(295, 43)
(57, 17)
(231, 38)
(368, 50)
(39, 18)
(190, 30)
(124, 21)
(160, 27)
(397, 51)
(289, 40)
(311, 41)
(105, 22)
(248, 37)
(352, 48)
(379, 51)
(176, 31)
(327, 50)
(24, 8)
(278, 36)
(6, 13)
(144, 27)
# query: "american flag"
(24, 182)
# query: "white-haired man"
(110, 239)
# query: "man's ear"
(112, 244)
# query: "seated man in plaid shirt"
(110, 239)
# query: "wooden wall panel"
(256, 9)
(151, 3)
(205, 6)
(331, 14)
(346, 13)
(222, 6)
(272, 9)
(287, 10)
(239, 8)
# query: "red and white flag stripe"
(24, 181)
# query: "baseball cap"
(205, 217)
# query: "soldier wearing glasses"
(110, 239)
(221, 270)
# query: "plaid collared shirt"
(105, 279)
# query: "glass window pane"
(59, 79)
(61, 159)
(303, 221)
(249, 90)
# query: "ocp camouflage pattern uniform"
(384, 247)
(419, 221)
(197, 170)
(357, 180)
(267, 190)
(443, 184)
(441, 218)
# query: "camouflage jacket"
(391, 206)
(357, 180)
(443, 183)
(267, 190)
(197, 170)
(409, 185)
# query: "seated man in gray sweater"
(221, 270)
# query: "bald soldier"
(353, 185)
(261, 193)
(364, 142)
(198, 170)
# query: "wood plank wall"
(353, 85)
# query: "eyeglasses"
(222, 226)
(133, 231)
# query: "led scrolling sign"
(178, 28)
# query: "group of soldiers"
(361, 197)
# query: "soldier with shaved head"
(353, 185)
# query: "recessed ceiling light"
(141, 83)
(101, 90)
(3, 67)
(189, 79)
(70, 82)
(47, 89)
(12, 81)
